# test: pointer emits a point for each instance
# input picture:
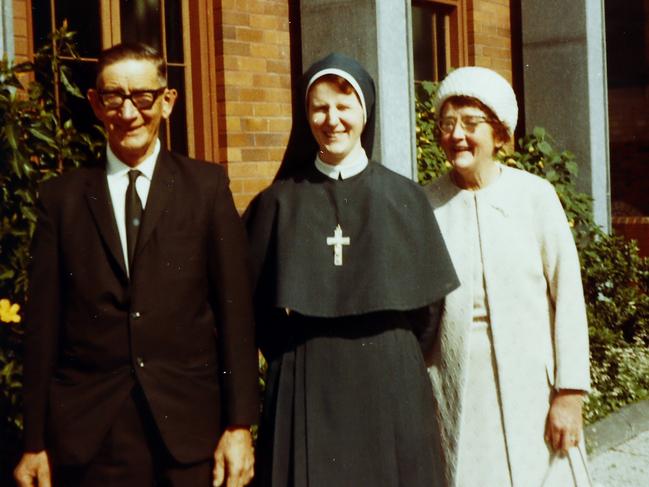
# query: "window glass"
(41, 21)
(178, 123)
(626, 43)
(82, 17)
(431, 39)
(174, 32)
(141, 22)
(422, 43)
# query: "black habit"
(348, 400)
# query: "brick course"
(490, 43)
(254, 93)
(22, 31)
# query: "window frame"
(456, 38)
(199, 67)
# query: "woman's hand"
(564, 423)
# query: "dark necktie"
(133, 213)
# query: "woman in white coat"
(511, 361)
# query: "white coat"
(536, 308)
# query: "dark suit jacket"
(181, 327)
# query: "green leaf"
(545, 148)
(539, 132)
(7, 274)
(44, 137)
(70, 88)
(10, 134)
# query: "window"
(174, 27)
(438, 36)
(627, 43)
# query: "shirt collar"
(114, 166)
(345, 170)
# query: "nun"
(350, 270)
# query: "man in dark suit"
(140, 362)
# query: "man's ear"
(168, 100)
(95, 103)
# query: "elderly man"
(140, 362)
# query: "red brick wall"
(22, 32)
(489, 32)
(254, 93)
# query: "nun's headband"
(347, 77)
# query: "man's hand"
(564, 424)
(33, 470)
(234, 458)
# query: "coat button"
(140, 362)
(135, 315)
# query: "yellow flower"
(9, 312)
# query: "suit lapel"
(162, 185)
(98, 198)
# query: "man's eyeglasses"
(142, 99)
(469, 123)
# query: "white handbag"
(562, 467)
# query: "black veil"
(302, 146)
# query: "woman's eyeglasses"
(469, 123)
(141, 99)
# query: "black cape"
(396, 258)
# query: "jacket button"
(140, 362)
(135, 315)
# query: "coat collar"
(496, 195)
(98, 197)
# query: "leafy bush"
(615, 277)
(431, 161)
(616, 286)
(38, 140)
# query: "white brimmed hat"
(485, 85)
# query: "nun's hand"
(564, 424)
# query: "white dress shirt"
(117, 176)
(345, 169)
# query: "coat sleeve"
(562, 272)
(259, 219)
(42, 322)
(425, 325)
(230, 284)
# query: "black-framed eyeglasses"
(141, 99)
(469, 123)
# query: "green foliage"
(616, 286)
(38, 140)
(615, 277)
(431, 161)
(620, 376)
